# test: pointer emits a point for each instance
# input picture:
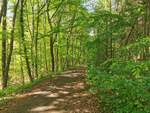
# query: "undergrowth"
(122, 87)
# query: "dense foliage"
(119, 62)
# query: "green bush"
(122, 87)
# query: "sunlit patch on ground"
(40, 93)
(53, 95)
(42, 108)
(63, 92)
(67, 94)
(46, 109)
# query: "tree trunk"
(11, 42)
(44, 42)
(4, 36)
(36, 43)
(52, 53)
(23, 40)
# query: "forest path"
(66, 94)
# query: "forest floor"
(67, 93)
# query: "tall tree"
(23, 39)
(4, 38)
(11, 47)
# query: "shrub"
(123, 88)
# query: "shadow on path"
(66, 94)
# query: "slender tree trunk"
(72, 51)
(1, 13)
(68, 41)
(23, 40)
(4, 36)
(52, 53)
(36, 43)
(21, 64)
(44, 42)
(67, 52)
(11, 41)
(57, 58)
(33, 38)
(51, 39)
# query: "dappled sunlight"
(75, 74)
(63, 92)
(34, 93)
(60, 100)
(56, 102)
(42, 108)
(80, 95)
(66, 94)
(56, 88)
(53, 95)
(40, 93)
(79, 86)
(67, 87)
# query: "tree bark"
(11, 42)
(4, 37)
(23, 40)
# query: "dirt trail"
(66, 94)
